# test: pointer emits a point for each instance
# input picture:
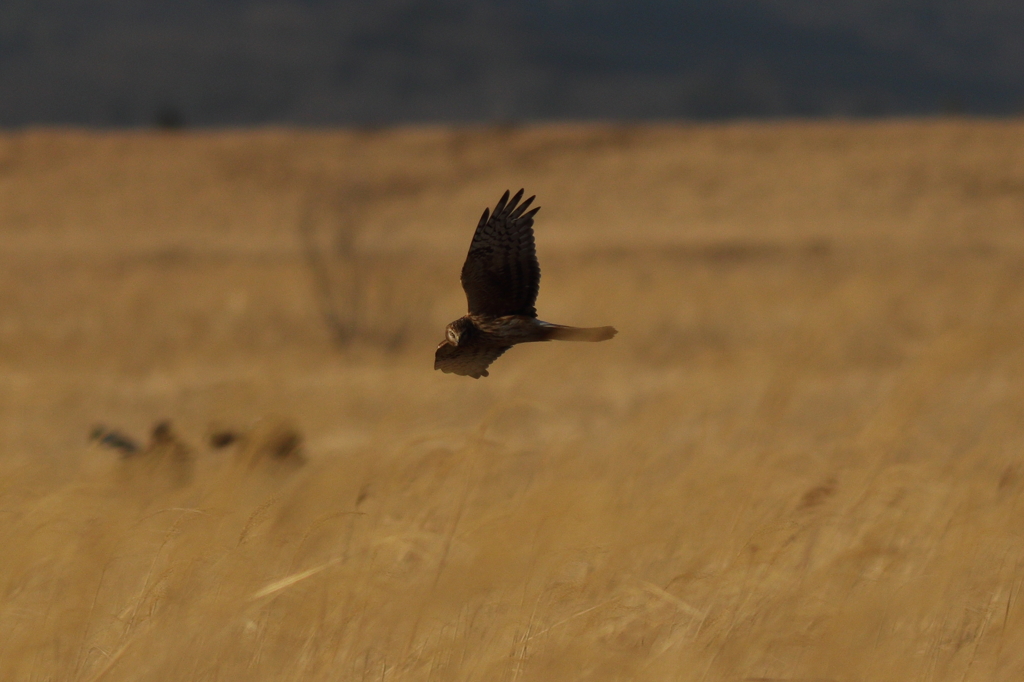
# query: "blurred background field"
(799, 460)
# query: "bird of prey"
(501, 278)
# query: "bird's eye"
(452, 336)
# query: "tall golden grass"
(801, 459)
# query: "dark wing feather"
(466, 360)
(501, 275)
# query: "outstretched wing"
(501, 275)
(467, 360)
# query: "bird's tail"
(558, 332)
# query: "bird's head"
(456, 331)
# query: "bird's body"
(501, 278)
(508, 330)
(505, 330)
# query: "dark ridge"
(242, 62)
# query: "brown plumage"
(501, 278)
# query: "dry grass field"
(802, 459)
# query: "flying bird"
(501, 278)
